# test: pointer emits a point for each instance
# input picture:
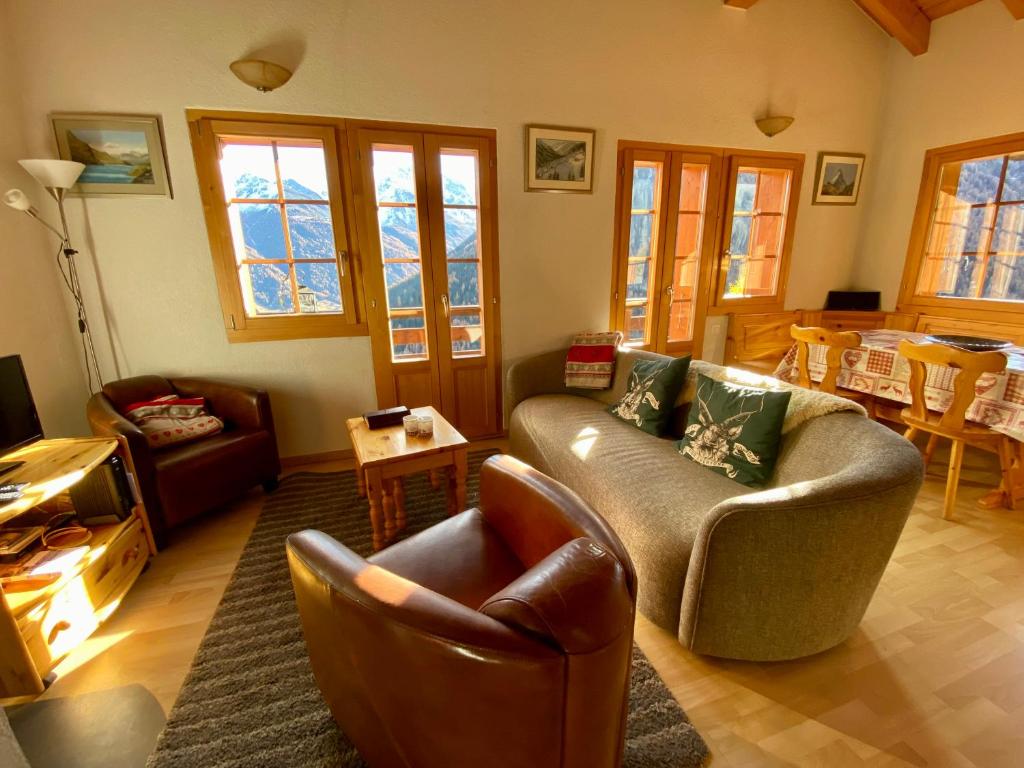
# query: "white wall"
(679, 71)
(970, 85)
(33, 319)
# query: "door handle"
(444, 304)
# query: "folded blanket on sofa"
(170, 420)
(804, 404)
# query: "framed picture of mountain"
(838, 178)
(559, 159)
(123, 154)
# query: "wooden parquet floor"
(934, 676)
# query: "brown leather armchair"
(501, 637)
(179, 482)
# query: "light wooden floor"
(934, 675)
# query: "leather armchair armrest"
(105, 421)
(577, 598)
(535, 514)
(236, 405)
(318, 561)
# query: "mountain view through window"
(398, 220)
(281, 225)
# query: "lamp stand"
(70, 276)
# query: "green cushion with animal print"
(735, 430)
(651, 394)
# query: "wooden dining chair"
(836, 343)
(953, 424)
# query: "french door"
(429, 213)
(666, 246)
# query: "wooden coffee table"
(385, 456)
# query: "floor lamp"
(57, 177)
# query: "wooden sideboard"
(39, 627)
(758, 342)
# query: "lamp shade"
(17, 199)
(54, 174)
(770, 125)
(262, 75)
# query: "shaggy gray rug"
(250, 698)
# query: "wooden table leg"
(388, 500)
(360, 482)
(399, 494)
(374, 489)
(457, 498)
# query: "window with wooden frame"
(967, 244)
(676, 207)
(275, 215)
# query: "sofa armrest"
(319, 562)
(235, 404)
(789, 572)
(542, 374)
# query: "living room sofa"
(736, 572)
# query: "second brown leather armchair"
(181, 481)
(501, 637)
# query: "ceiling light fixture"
(262, 75)
(771, 125)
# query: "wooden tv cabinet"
(39, 627)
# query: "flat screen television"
(19, 422)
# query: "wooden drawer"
(52, 629)
(55, 627)
(121, 563)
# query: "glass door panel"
(689, 236)
(756, 231)
(394, 180)
(645, 212)
(461, 209)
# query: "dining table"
(876, 368)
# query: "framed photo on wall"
(123, 154)
(559, 159)
(838, 179)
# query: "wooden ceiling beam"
(744, 4)
(1016, 7)
(903, 20)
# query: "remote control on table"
(11, 491)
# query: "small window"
(759, 219)
(974, 245)
(277, 228)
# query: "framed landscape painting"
(559, 159)
(838, 178)
(123, 154)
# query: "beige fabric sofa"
(741, 573)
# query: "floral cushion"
(171, 420)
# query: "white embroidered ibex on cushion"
(711, 444)
(639, 392)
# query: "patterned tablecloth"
(877, 368)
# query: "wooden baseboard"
(288, 462)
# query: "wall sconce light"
(262, 75)
(770, 125)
